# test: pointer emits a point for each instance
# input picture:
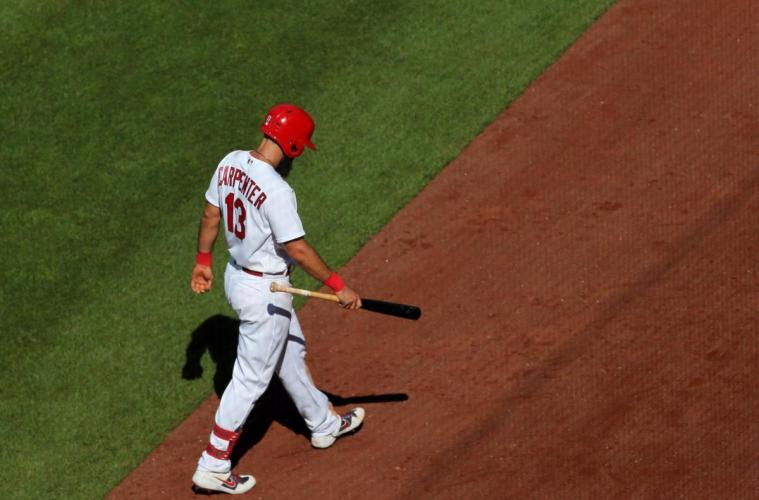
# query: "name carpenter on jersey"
(247, 187)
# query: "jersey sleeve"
(212, 194)
(282, 212)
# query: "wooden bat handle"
(378, 306)
(278, 287)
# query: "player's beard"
(284, 167)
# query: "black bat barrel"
(391, 308)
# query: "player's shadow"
(218, 336)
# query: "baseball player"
(258, 213)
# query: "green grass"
(113, 116)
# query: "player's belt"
(260, 274)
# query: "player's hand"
(202, 277)
(349, 299)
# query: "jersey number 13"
(235, 206)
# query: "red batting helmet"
(290, 127)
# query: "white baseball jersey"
(259, 212)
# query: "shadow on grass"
(218, 335)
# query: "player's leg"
(264, 323)
(313, 405)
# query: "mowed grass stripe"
(112, 119)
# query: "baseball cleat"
(349, 423)
(224, 482)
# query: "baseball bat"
(379, 306)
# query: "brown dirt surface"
(588, 271)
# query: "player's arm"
(311, 262)
(202, 275)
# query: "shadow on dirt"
(218, 336)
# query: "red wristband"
(335, 282)
(203, 259)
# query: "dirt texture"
(588, 270)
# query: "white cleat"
(349, 423)
(224, 482)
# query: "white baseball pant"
(271, 341)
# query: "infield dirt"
(588, 271)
